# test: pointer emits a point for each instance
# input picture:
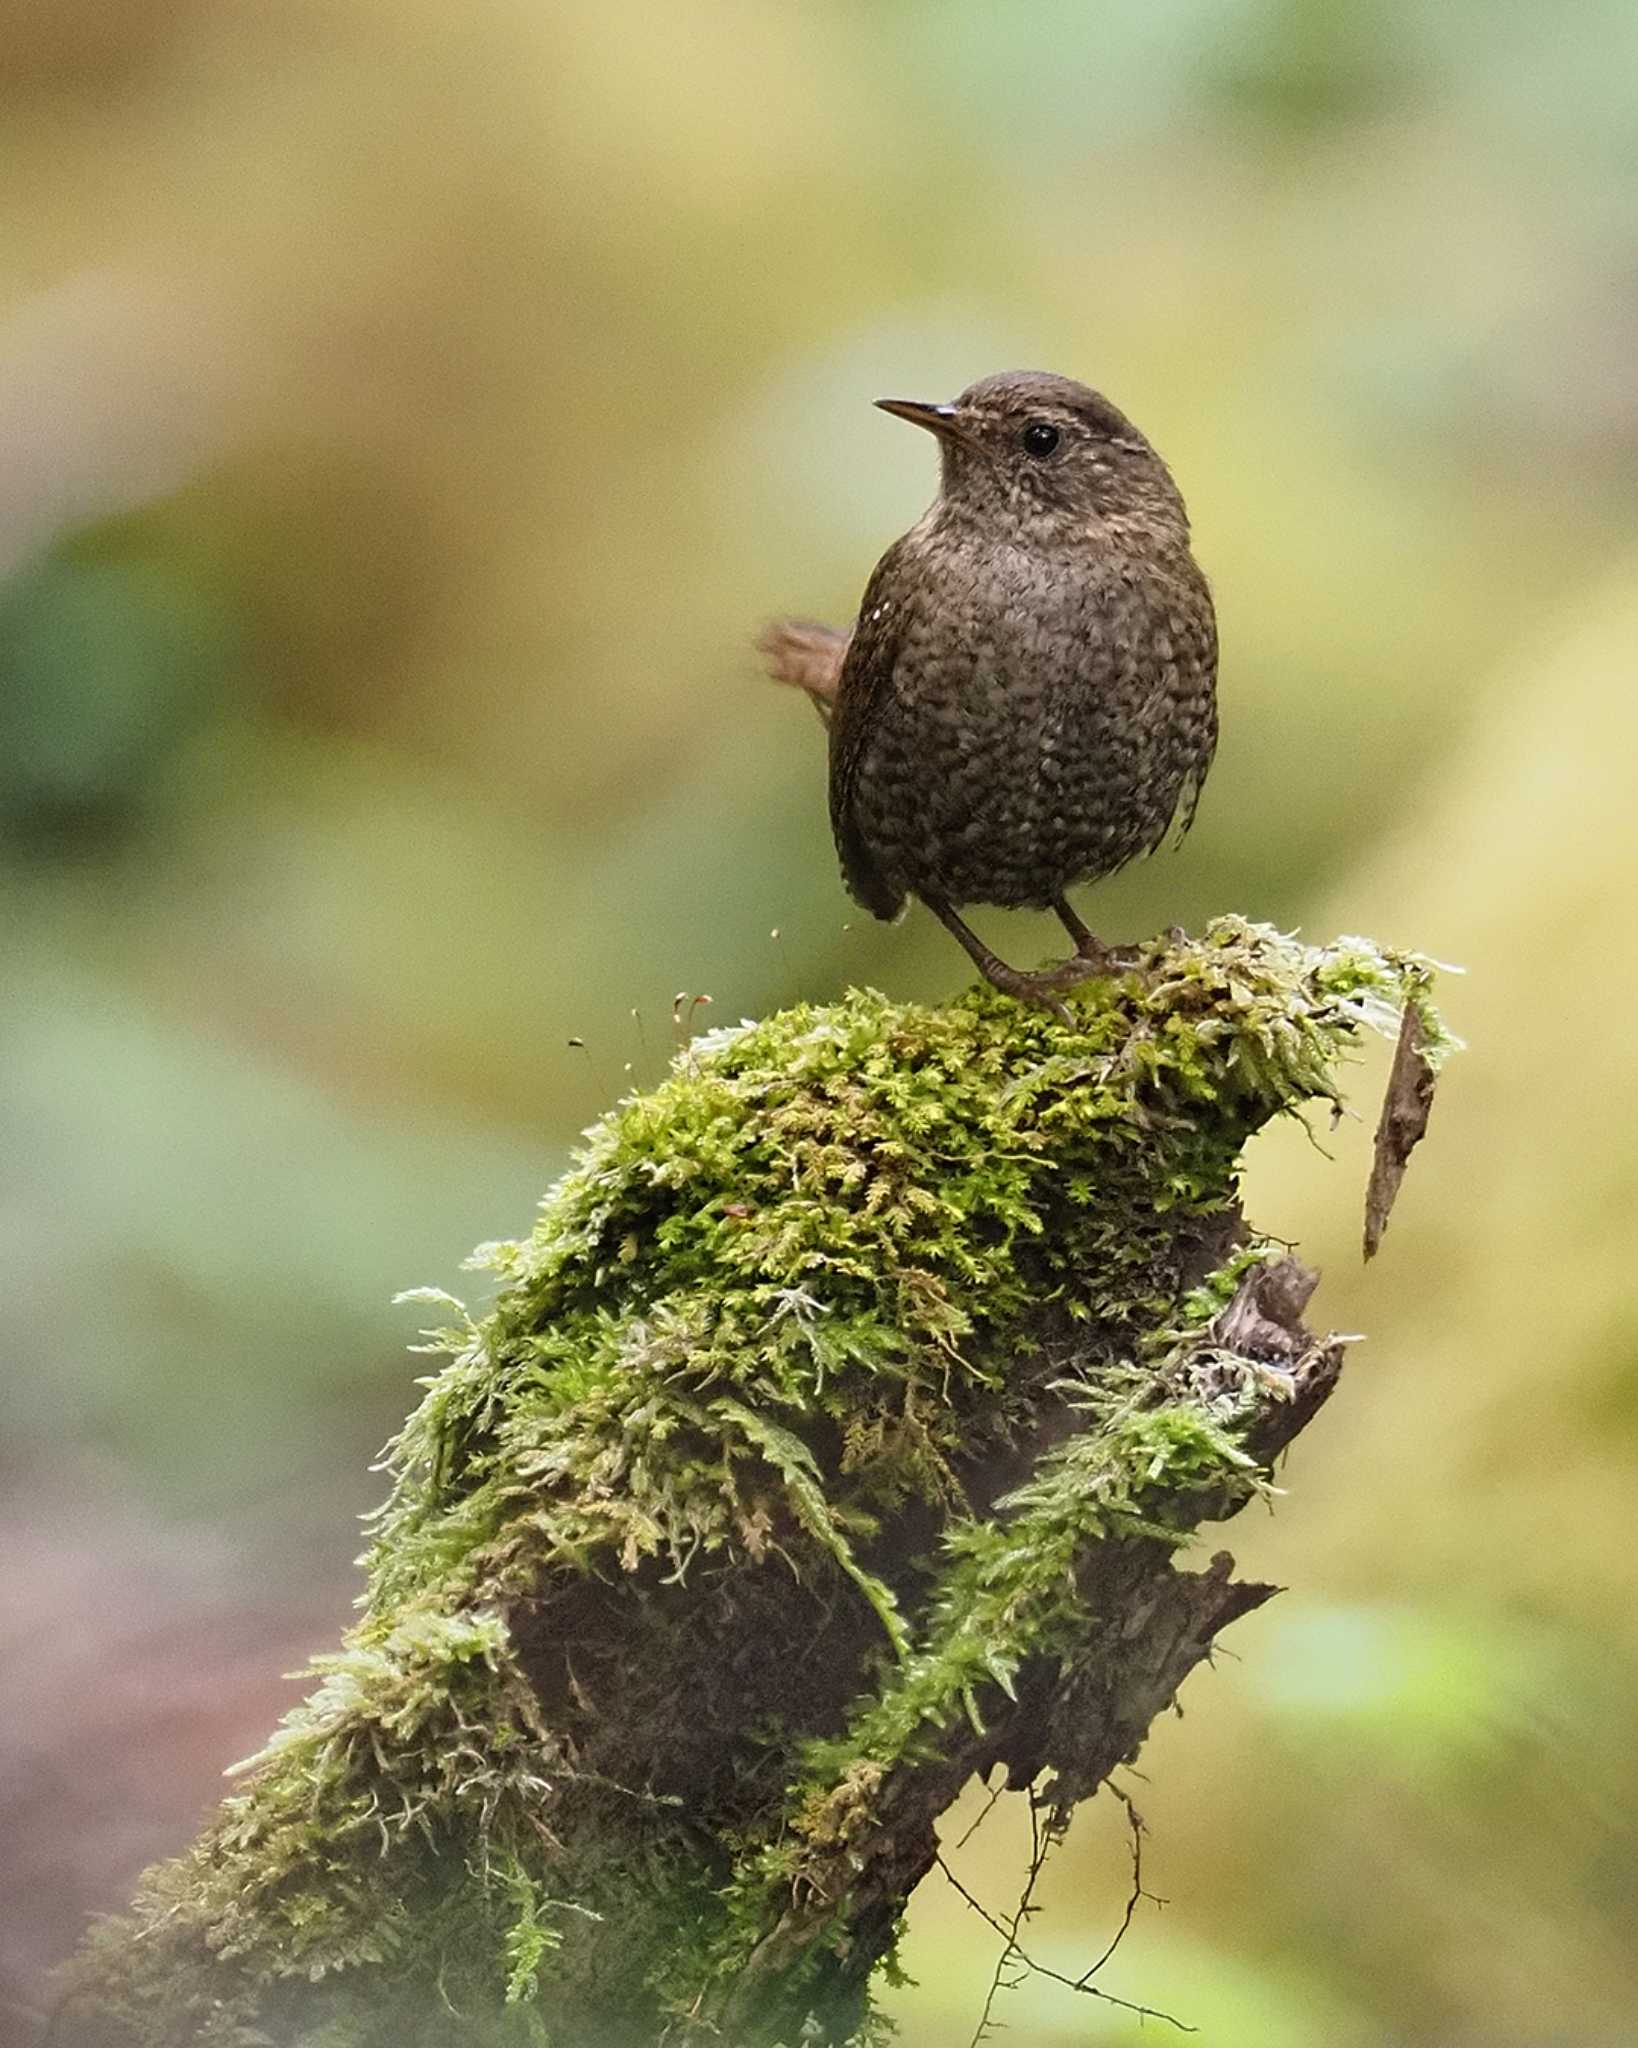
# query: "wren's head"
(1029, 453)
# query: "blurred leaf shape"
(106, 664)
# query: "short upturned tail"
(806, 655)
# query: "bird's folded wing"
(861, 697)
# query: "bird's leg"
(1086, 946)
(1012, 981)
(1091, 954)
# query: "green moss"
(737, 1389)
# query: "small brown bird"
(1028, 697)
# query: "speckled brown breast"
(1012, 723)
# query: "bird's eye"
(1040, 439)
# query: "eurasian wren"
(1027, 699)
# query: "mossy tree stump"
(833, 1437)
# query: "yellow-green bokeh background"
(406, 413)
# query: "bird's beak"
(937, 419)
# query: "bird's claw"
(1085, 965)
(1041, 989)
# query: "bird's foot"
(1040, 988)
(1089, 963)
(1091, 956)
(1040, 985)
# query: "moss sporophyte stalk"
(832, 1436)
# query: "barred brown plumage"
(1028, 697)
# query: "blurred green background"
(406, 415)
